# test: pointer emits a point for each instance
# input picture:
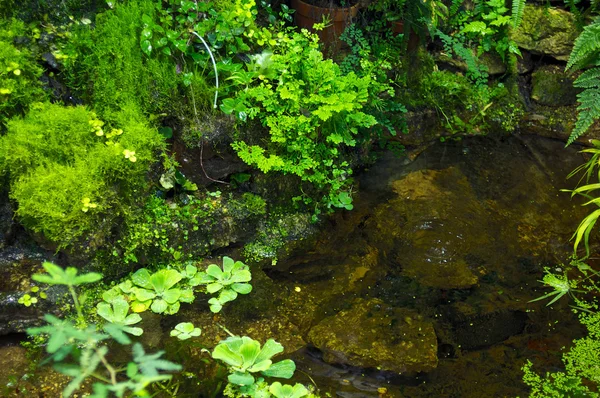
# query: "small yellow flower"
(87, 204)
(129, 155)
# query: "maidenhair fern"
(518, 6)
(586, 51)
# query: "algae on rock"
(372, 334)
(546, 31)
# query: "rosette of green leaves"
(245, 356)
(185, 330)
(116, 311)
(229, 280)
(286, 391)
(158, 291)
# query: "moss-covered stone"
(546, 31)
(551, 86)
(372, 334)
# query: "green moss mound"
(19, 73)
(70, 173)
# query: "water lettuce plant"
(230, 280)
(245, 356)
(158, 291)
(117, 312)
(287, 391)
(185, 330)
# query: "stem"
(111, 370)
(214, 66)
(77, 305)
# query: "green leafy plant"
(580, 376)
(80, 351)
(116, 312)
(158, 291)
(585, 53)
(286, 391)
(27, 300)
(185, 330)
(68, 277)
(560, 284)
(230, 280)
(245, 356)
(585, 228)
(313, 112)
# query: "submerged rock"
(430, 228)
(372, 334)
(546, 31)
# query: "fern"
(455, 6)
(589, 102)
(586, 51)
(518, 6)
(586, 47)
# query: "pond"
(423, 289)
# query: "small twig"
(111, 370)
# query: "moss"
(69, 172)
(553, 87)
(19, 73)
(106, 64)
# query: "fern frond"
(518, 6)
(589, 104)
(586, 46)
(588, 79)
(455, 6)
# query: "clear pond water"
(421, 291)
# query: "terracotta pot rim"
(333, 10)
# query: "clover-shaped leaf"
(185, 330)
(287, 391)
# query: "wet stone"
(546, 31)
(372, 334)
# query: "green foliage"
(116, 312)
(485, 25)
(19, 73)
(580, 377)
(244, 356)
(80, 351)
(392, 10)
(68, 277)
(185, 330)
(107, 67)
(229, 280)
(70, 173)
(585, 228)
(518, 7)
(586, 51)
(312, 111)
(159, 229)
(158, 291)
(476, 72)
(560, 284)
(376, 57)
(286, 391)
